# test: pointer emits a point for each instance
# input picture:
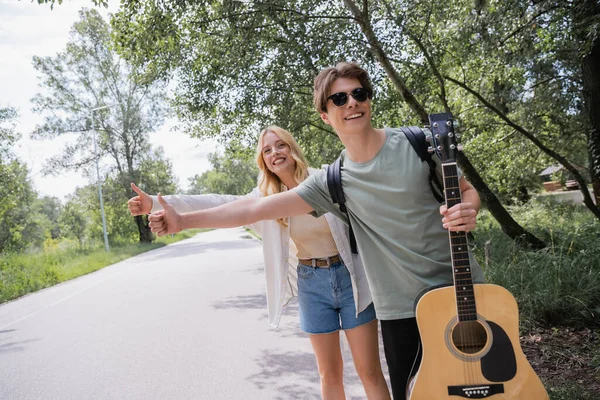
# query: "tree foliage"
(89, 80)
(234, 172)
(19, 225)
(510, 71)
(73, 222)
(51, 208)
(103, 3)
(8, 136)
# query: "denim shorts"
(326, 301)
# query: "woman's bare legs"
(364, 345)
(331, 366)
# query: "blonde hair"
(325, 79)
(268, 182)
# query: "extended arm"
(185, 203)
(144, 203)
(241, 212)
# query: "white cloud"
(28, 29)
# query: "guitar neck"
(461, 268)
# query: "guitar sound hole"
(469, 337)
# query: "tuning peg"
(455, 124)
(459, 147)
(430, 149)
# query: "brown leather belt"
(321, 262)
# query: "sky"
(28, 29)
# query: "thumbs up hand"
(140, 204)
(165, 221)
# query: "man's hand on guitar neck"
(461, 217)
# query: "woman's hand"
(140, 204)
(165, 221)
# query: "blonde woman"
(332, 290)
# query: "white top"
(279, 252)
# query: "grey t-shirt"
(396, 221)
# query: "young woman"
(333, 294)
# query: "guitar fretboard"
(461, 268)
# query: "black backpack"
(417, 139)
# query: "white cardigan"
(279, 252)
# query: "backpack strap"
(334, 184)
(417, 139)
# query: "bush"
(558, 285)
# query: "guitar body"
(480, 358)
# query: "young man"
(401, 238)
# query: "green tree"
(155, 173)
(235, 172)
(248, 64)
(51, 207)
(73, 221)
(522, 68)
(103, 3)
(88, 74)
(8, 136)
(20, 226)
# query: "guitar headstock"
(443, 137)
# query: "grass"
(557, 290)
(571, 391)
(21, 274)
(559, 285)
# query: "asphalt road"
(186, 321)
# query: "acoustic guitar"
(469, 332)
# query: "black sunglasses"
(340, 99)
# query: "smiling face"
(276, 154)
(351, 117)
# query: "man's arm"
(238, 213)
(144, 203)
(463, 216)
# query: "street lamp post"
(98, 175)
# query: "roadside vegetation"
(59, 261)
(557, 290)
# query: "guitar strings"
(467, 328)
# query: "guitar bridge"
(476, 392)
